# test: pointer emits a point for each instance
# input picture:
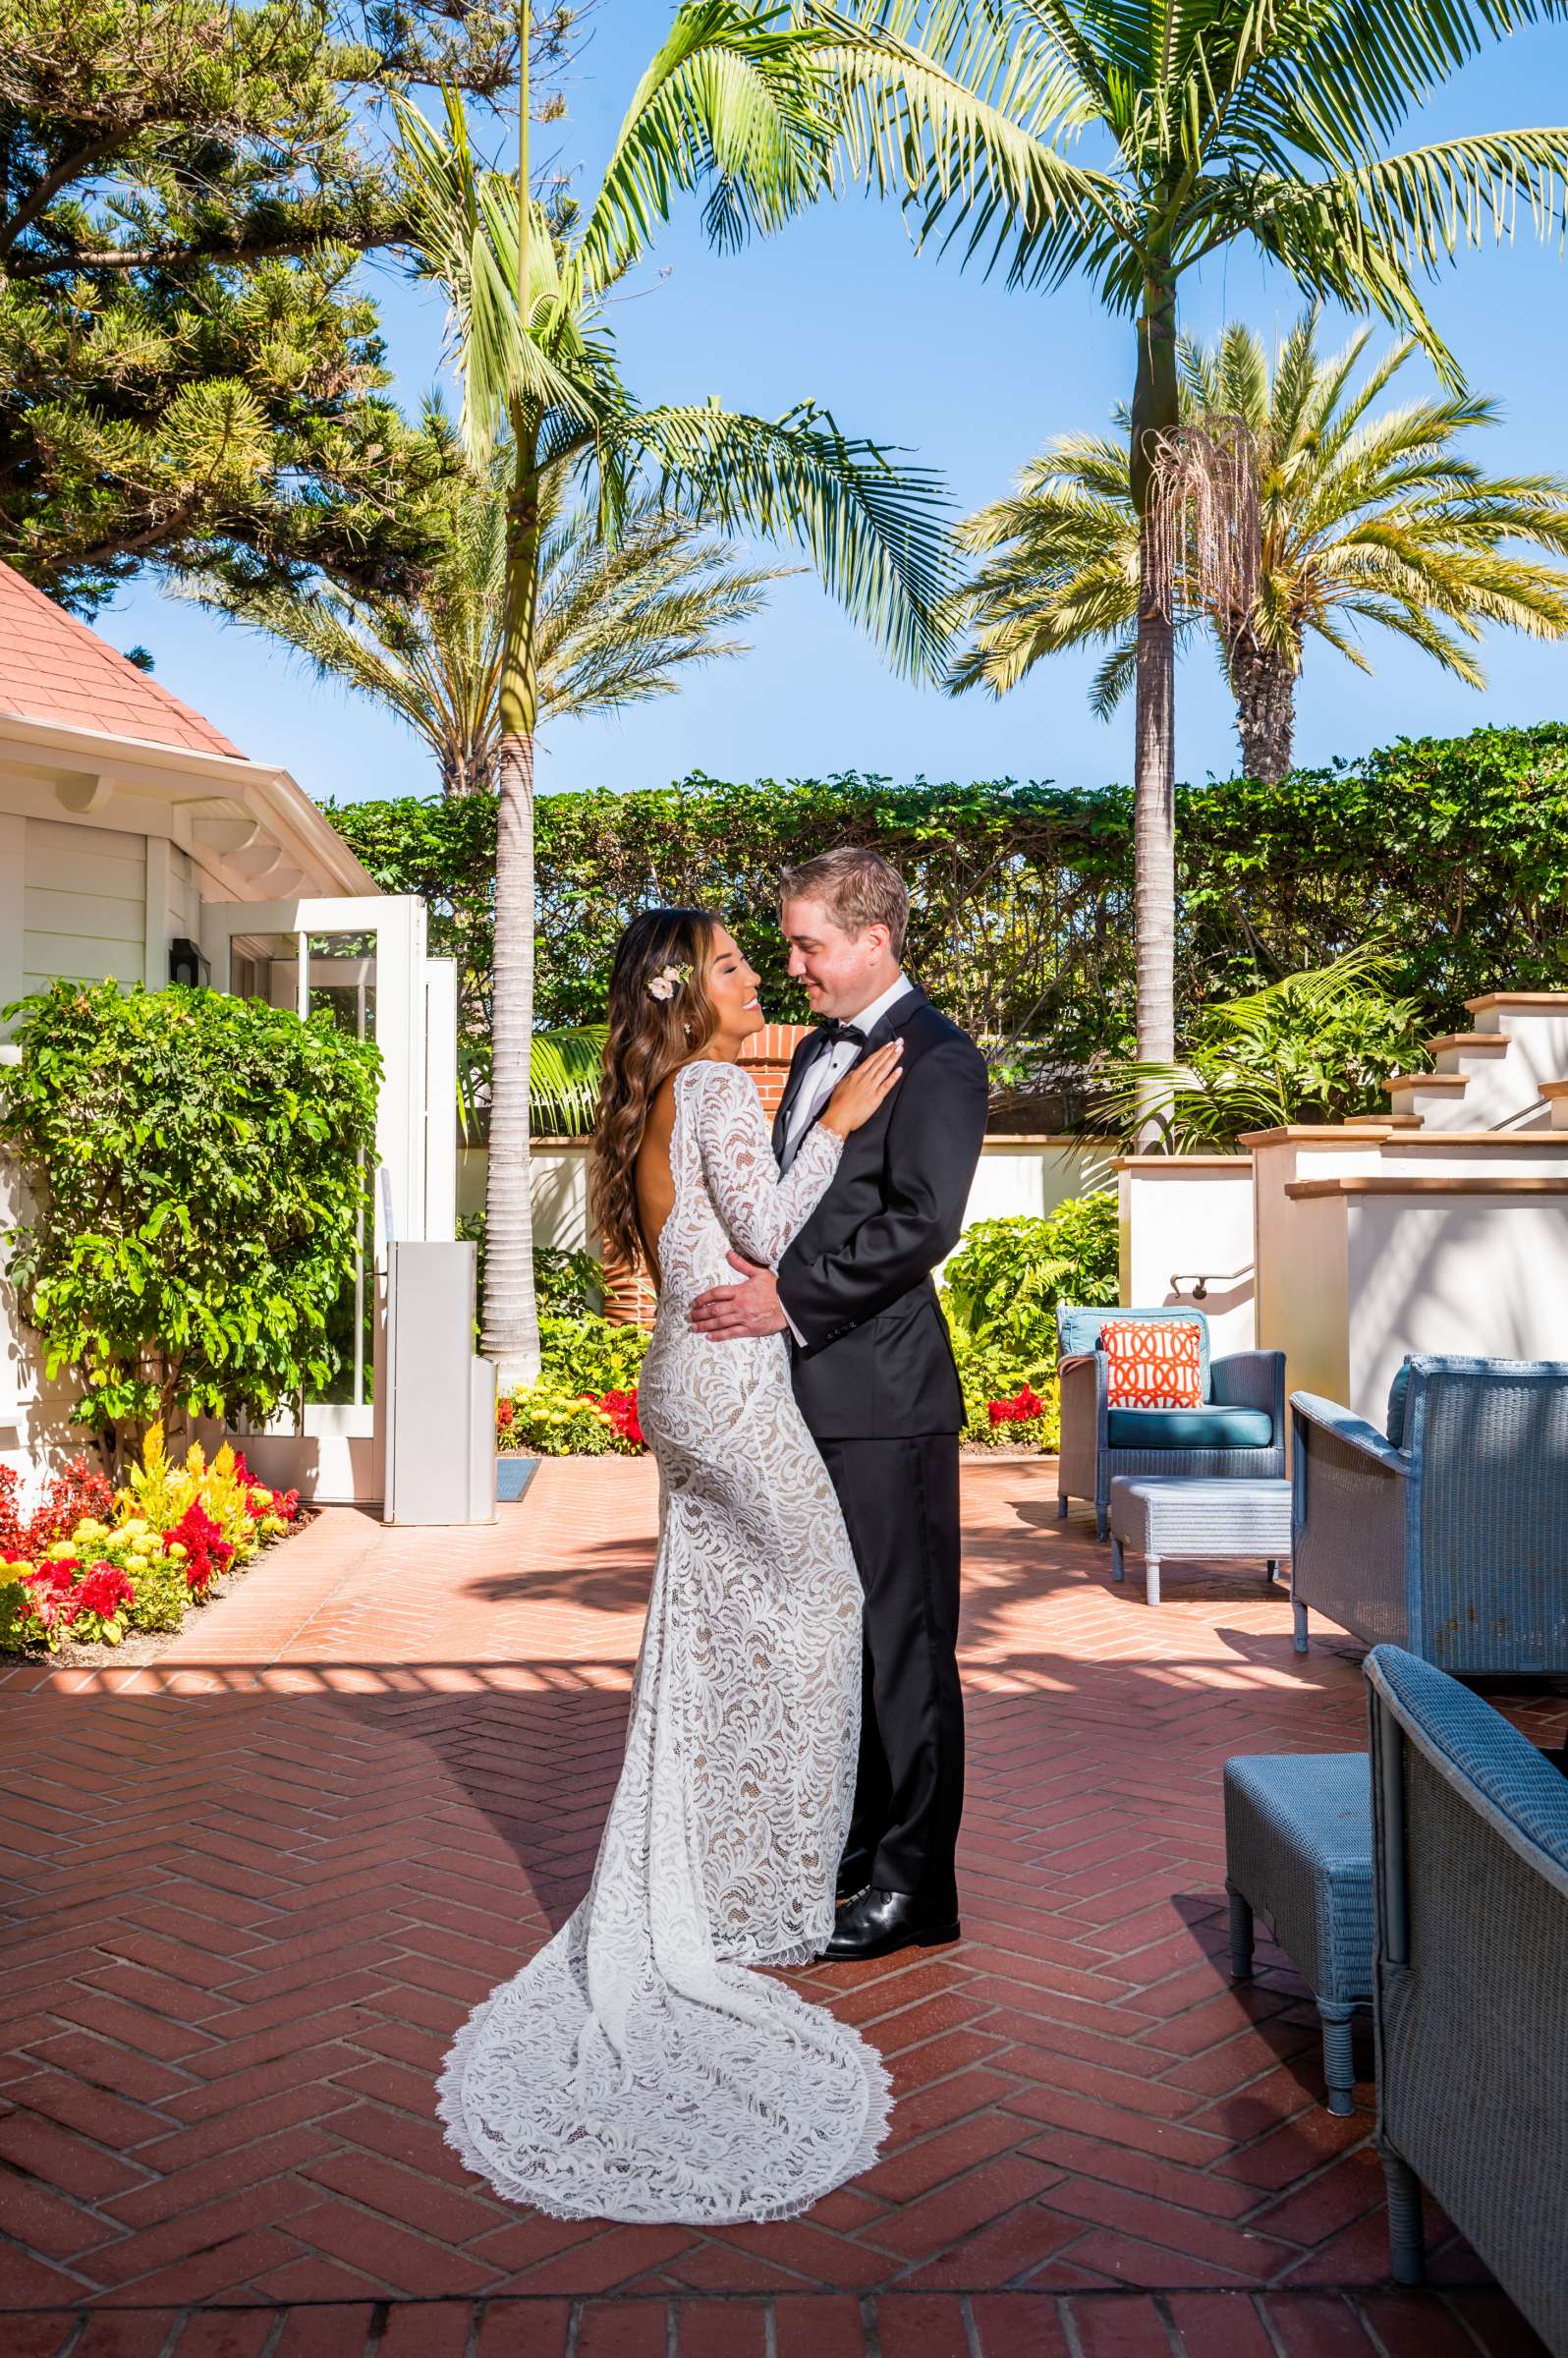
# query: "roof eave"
(140, 761)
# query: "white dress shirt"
(831, 1066)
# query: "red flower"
(53, 1591)
(1023, 1408)
(79, 1491)
(286, 1505)
(103, 1592)
(206, 1550)
(505, 1414)
(12, 1530)
(621, 1409)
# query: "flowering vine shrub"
(90, 1562)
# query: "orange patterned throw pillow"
(1152, 1363)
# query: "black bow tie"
(830, 1033)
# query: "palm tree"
(734, 102)
(1363, 518)
(617, 622)
(1213, 121)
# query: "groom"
(874, 1375)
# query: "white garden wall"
(1187, 1221)
(1015, 1177)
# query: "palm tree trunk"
(1155, 413)
(1265, 688)
(510, 1327)
(511, 1324)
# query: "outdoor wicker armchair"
(1239, 1428)
(1449, 1534)
(1470, 1997)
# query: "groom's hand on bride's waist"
(726, 1313)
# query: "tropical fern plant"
(1129, 141)
(1367, 514)
(1314, 1047)
(617, 622)
(734, 102)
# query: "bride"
(636, 2070)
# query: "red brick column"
(628, 1298)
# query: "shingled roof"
(54, 668)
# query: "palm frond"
(615, 622)
(962, 112)
(870, 526)
(621, 624)
(1375, 513)
(466, 230)
(565, 1069)
(1312, 1046)
(732, 100)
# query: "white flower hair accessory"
(667, 981)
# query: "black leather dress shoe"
(879, 1922)
(853, 1879)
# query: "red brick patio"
(253, 1891)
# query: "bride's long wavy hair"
(649, 1034)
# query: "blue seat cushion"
(1188, 1429)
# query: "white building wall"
(1311, 1317)
(1186, 1218)
(1483, 1275)
(85, 904)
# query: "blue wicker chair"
(1449, 1534)
(1240, 1429)
(1469, 1994)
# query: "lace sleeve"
(763, 1208)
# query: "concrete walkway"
(252, 1891)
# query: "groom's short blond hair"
(856, 887)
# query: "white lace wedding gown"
(635, 2069)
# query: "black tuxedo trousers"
(875, 1382)
(900, 1504)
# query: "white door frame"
(333, 1451)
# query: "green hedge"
(1454, 850)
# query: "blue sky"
(974, 379)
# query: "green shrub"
(587, 1354)
(1000, 1294)
(568, 1285)
(581, 1355)
(193, 1159)
(551, 1419)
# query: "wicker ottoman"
(1163, 1515)
(1299, 1851)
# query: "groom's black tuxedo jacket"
(876, 1361)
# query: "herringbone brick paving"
(252, 1891)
